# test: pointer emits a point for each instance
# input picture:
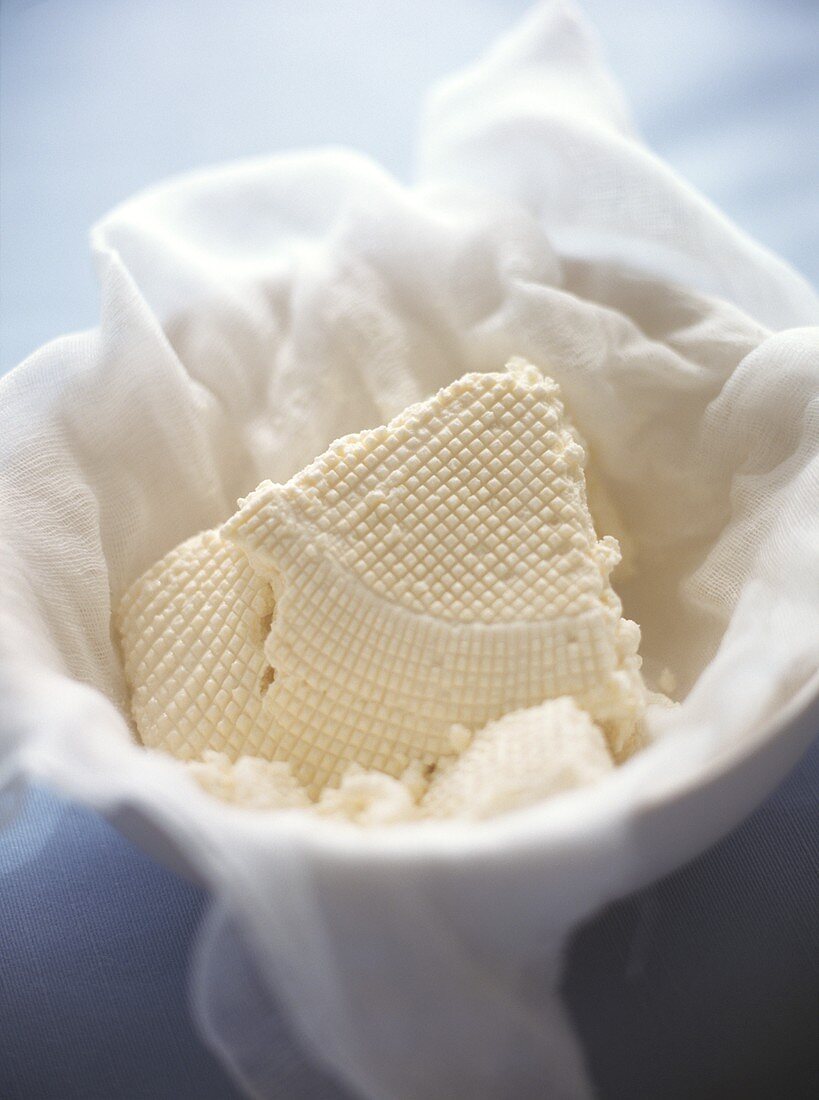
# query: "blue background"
(704, 985)
(103, 97)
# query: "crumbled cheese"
(414, 583)
(511, 763)
(250, 781)
(608, 521)
(520, 759)
(373, 798)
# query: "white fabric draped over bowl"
(253, 313)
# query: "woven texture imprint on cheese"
(520, 759)
(192, 630)
(441, 569)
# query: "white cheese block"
(440, 570)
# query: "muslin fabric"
(253, 313)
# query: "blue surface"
(703, 986)
(94, 941)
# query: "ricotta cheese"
(416, 582)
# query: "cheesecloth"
(251, 314)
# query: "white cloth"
(251, 314)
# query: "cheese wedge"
(440, 571)
(443, 569)
(192, 632)
(520, 759)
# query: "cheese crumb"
(250, 781)
(459, 737)
(373, 798)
